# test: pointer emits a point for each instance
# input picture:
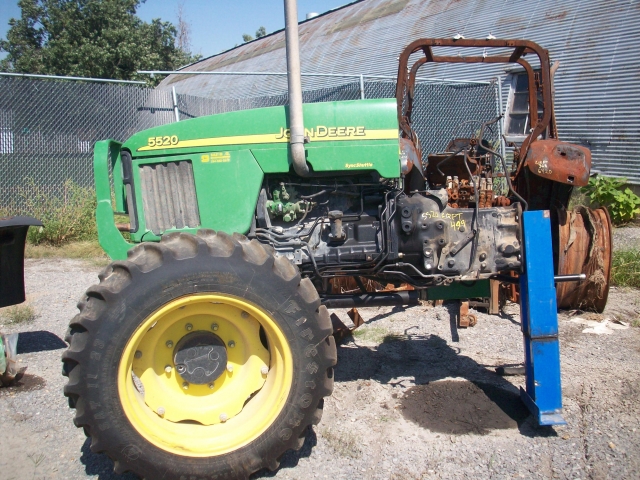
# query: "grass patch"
(371, 334)
(625, 270)
(344, 444)
(18, 314)
(394, 337)
(90, 251)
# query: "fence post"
(175, 104)
(361, 87)
(501, 121)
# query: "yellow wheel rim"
(203, 420)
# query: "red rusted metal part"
(466, 319)
(349, 285)
(584, 246)
(559, 161)
(538, 82)
(355, 317)
(501, 201)
(340, 330)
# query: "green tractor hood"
(207, 172)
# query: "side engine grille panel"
(169, 196)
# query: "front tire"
(200, 356)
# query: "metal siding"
(597, 84)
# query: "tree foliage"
(261, 32)
(89, 38)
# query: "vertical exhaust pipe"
(296, 120)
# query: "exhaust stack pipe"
(296, 120)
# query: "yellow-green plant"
(67, 214)
(622, 203)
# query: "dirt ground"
(414, 397)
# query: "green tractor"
(206, 349)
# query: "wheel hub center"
(200, 357)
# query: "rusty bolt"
(138, 354)
(214, 326)
(231, 344)
(169, 344)
(188, 327)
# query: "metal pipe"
(59, 77)
(175, 104)
(361, 87)
(578, 277)
(311, 74)
(386, 299)
(296, 119)
(501, 124)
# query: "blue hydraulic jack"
(539, 314)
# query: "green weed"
(67, 216)
(578, 198)
(18, 314)
(622, 203)
(625, 269)
(371, 334)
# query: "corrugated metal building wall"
(597, 84)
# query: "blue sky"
(216, 25)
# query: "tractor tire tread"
(144, 259)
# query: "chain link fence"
(48, 127)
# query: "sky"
(216, 25)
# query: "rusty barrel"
(584, 246)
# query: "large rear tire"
(202, 356)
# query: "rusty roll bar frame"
(537, 83)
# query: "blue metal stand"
(539, 314)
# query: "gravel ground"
(627, 237)
(414, 397)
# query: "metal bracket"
(539, 314)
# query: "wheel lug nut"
(264, 370)
(244, 315)
(189, 327)
(161, 411)
(231, 344)
(224, 417)
(229, 368)
(214, 326)
(169, 344)
(168, 369)
(138, 354)
(185, 385)
(211, 386)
